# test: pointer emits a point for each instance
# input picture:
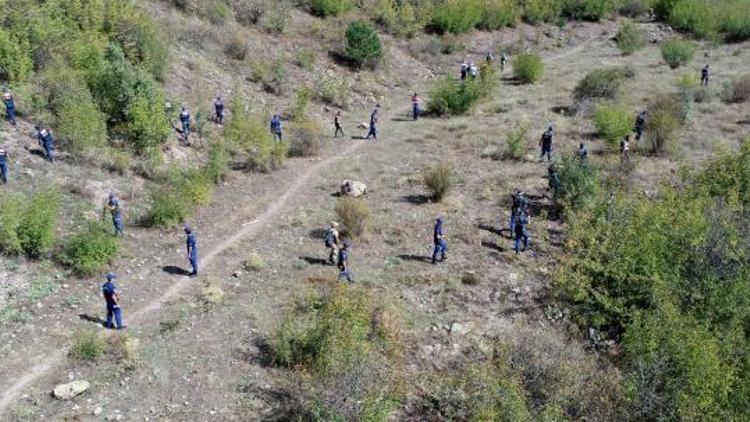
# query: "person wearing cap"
(219, 111)
(503, 60)
(46, 142)
(582, 153)
(185, 120)
(332, 241)
(546, 143)
(10, 107)
(114, 208)
(109, 291)
(640, 124)
(441, 247)
(415, 111)
(3, 165)
(343, 264)
(520, 233)
(705, 75)
(192, 251)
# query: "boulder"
(71, 389)
(353, 188)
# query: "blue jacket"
(192, 245)
(276, 124)
(109, 289)
(45, 136)
(115, 204)
(185, 117)
(438, 233)
(10, 104)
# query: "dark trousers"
(49, 151)
(373, 132)
(194, 263)
(338, 130)
(277, 134)
(521, 237)
(4, 171)
(441, 249)
(546, 151)
(415, 112)
(113, 311)
(220, 117)
(117, 221)
(185, 129)
(11, 115)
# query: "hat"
(110, 276)
(187, 229)
(440, 219)
(347, 244)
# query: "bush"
(362, 44)
(10, 219)
(87, 345)
(166, 208)
(528, 68)
(662, 123)
(250, 134)
(347, 344)
(236, 48)
(438, 180)
(402, 19)
(15, 61)
(325, 8)
(612, 122)
(498, 14)
(354, 215)
(537, 11)
(36, 229)
(676, 52)
(215, 11)
(80, 124)
(734, 21)
(694, 16)
(516, 141)
(305, 59)
(249, 12)
(219, 160)
(630, 39)
(89, 250)
(574, 185)
(453, 97)
(331, 91)
(688, 84)
(307, 138)
(147, 120)
(600, 84)
(737, 90)
(193, 186)
(254, 262)
(137, 34)
(456, 16)
(301, 102)
(590, 10)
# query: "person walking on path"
(109, 291)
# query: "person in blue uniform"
(441, 247)
(192, 250)
(109, 291)
(46, 142)
(114, 208)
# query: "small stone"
(457, 328)
(98, 411)
(236, 274)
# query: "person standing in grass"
(185, 120)
(521, 235)
(219, 111)
(332, 242)
(546, 143)
(503, 60)
(625, 150)
(276, 126)
(114, 208)
(10, 108)
(46, 142)
(415, 111)
(109, 291)
(582, 153)
(640, 124)
(705, 75)
(373, 123)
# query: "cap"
(110, 276)
(187, 229)
(347, 244)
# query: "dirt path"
(47, 361)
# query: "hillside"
(632, 317)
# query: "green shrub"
(80, 125)
(193, 186)
(354, 215)
(325, 8)
(453, 97)
(10, 219)
(402, 19)
(601, 84)
(528, 68)
(498, 14)
(148, 125)
(737, 90)
(332, 91)
(15, 61)
(438, 180)
(301, 102)
(662, 123)
(249, 12)
(612, 122)
(305, 59)
(277, 77)
(574, 186)
(362, 44)
(734, 21)
(276, 18)
(346, 343)
(166, 208)
(249, 133)
(630, 39)
(663, 8)
(694, 16)
(137, 34)
(307, 138)
(688, 85)
(36, 230)
(456, 16)
(89, 250)
(219, 160)
(87, 345)
(537, 11)
(517, 141)
(591, 10)
(676, 52)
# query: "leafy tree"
(363, 45)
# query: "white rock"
(71, 389)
